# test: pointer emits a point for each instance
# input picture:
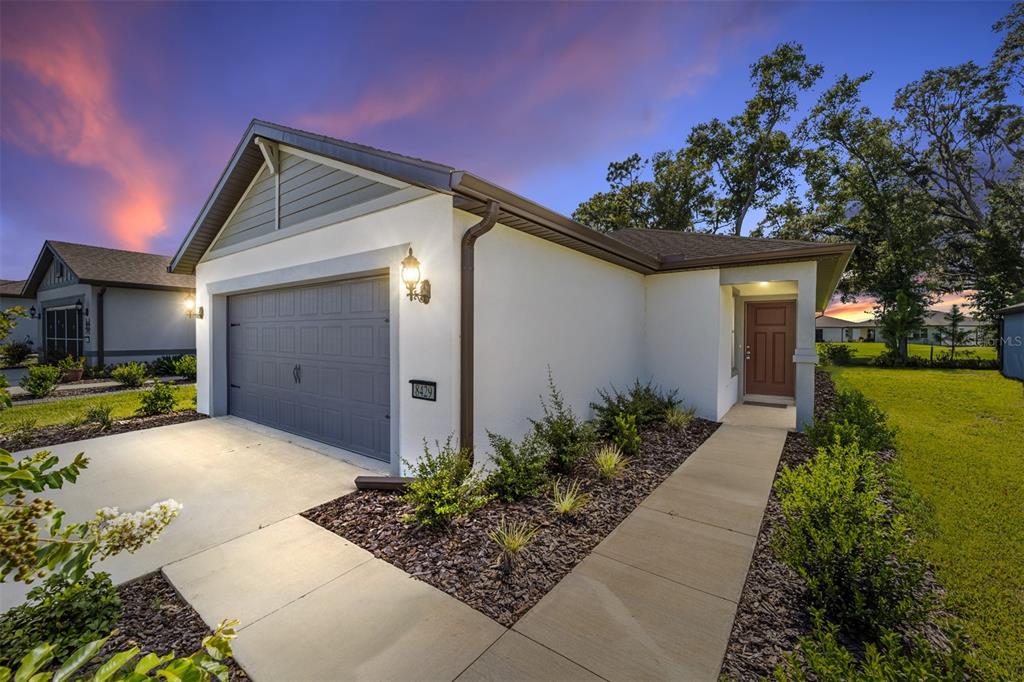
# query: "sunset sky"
(116, 119)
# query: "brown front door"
(768, 348)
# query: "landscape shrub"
(129, 374)
(20, 431)
(185, 366)
(568, 438)
(834, 354)
(61, 612)
(14, 353)
(100, 415)
(157, 400)
(626, 434)
(445, 486)
(820, 656)
(610, 462)
(41, 380)
(855, 415)
(678, 418)
(852, 551)
(164, 366)
(97, 371)
(5, 395)
(71, 364)
(568, 502)
(521, 468)
(511, 539)
(646, 401)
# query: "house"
(836, 329)
(371, 300)
(10, 297)
(1011, 341)
(107, 305)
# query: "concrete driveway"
(233, 477)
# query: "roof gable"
(100, 265)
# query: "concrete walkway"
(656, 599)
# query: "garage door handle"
(295, 374)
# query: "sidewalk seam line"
(671, 580)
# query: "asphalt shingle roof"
(11, 287)
(114, 266)
(694, 245)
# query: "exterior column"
(805, 360)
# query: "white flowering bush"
(34, 539)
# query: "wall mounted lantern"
(419, 290)
(80, 308)
(192, 311)
(32, 313)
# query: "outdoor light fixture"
(192, 311)
(78, 305)
(419, 290)
(32, 312)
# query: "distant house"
(1011, 341)
(107, 305)
(835, 329)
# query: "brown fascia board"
(674, 264)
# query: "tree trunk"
(903, 346)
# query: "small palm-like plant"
(610, 462)
(511, 539)
(677, 418)
(570, 501)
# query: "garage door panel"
(337, 333)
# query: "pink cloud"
(863, 309)
(67, 108)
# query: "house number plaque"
(424, 390)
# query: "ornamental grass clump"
(511, 539)
(521, 468)
(21, 431)
(677, 418)
(569, 502)
(568, 438)
(850, 548)
(610, 462)
(101, 416)
(445, 486)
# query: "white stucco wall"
(538, 305)
(426, 336)
(683, 336)
(728, 381)
(143, 324)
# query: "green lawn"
(60, 411)
(961, 449)
(863, 351)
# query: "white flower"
(117, 532)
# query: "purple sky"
(116, 119)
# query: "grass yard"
(60, 411)
(961, 449)
(864, 351)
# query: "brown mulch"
(824, 394)
(48, 436)
(156, 619)
(772, 613)
(460, 559)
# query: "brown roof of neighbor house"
(473, 194)
(12, 287)
(112, 267)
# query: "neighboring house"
(1011, 341)
(106, 305)
(307, 325)
(935, 322)
(11, 296)
(835, 329)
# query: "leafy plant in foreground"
(568, 438)
(852, 551)
(521, 468)
(445, 486)
(64, 613)
(41, 380)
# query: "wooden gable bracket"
(270, 154)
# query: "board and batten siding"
(57, 275)
(307, 190)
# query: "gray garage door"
(313, 360)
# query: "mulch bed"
(460, 560)
(47, 436)
(773, 613)
(156, 619)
